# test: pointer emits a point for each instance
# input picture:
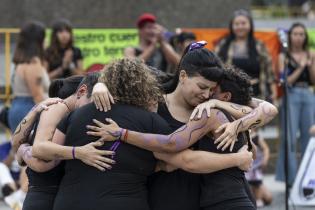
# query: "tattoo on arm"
(18, 130)
(256, 102)
(240, 108)
(255, 124)
(222, 118)
(182, 139)
(39, 81)
(27, 153)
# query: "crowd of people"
(172, 125)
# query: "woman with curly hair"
(83, 187)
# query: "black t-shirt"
(56, 61)
(122, 187)
(225, 185)
(175, 190)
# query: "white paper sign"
(303, 191)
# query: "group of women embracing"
(162, 144)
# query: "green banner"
(100, 46)
(311, 35)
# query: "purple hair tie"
(197, 45)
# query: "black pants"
(243, 203)
(40, 198)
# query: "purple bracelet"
(73, 153)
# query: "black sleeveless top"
(44, 181)
(293, 65)
(124, 186)
(227, 184)
(175, 190)
(250, 67)
(157, 59)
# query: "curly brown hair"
(130, 81)
(238, 84)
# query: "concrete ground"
(276, 188)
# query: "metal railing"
(7, 32)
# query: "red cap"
(144, 18)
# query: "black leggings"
(40, 199)
(242, 203)
(230, 206)
(237, 204)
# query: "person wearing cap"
(153, 47)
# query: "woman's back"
(23, 71)
(124, 186)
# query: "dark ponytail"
(196, 62)
(63, 88)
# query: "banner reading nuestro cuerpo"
(103, 45)
(100, 46)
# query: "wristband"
(124, 139)
(73, 153)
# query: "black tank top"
(124, 186)
(250, 67)
(157, 59)
(227, 184)
(45, 180)
(175, 190)
(293, 65)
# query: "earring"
(78, 97)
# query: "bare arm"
(43, 148)
(260, 116)
(170, 54)
(47, 143)
(79, 67)
(34, 80)
(295, 74)
(312, 67)
(55, 73)
(129, 52)
(147, 52)
(207, 162)
(236, 110)
(23, 130)
(265, 149)
(204, 162)
(182, 138)
(25, 156)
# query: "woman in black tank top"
(299, 64)
(241, 49)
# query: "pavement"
(276, 188)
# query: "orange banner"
(212, 36)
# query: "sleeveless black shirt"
(175, 190)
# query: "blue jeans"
(18, 110)
(301, 118)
